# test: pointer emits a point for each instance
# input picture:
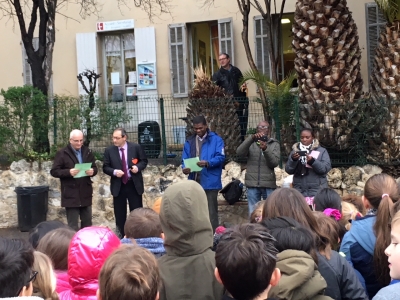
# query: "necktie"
(125, 176)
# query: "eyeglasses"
(222, 58)
(31, 279)
(262, 127)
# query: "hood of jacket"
(88, 250)
(185, 220)
(300, 278)
(362, 232)
(296, 146)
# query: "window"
(205, 40)
(375, 22)
(120, 66)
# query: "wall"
(156, 180)
(65, 66)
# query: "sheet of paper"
(192, 164)
(314, 154)
(132, 77)
(82, 168)
(114, 77)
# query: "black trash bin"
(32, 204)
(149, 137)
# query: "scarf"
(308, 148)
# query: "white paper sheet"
(132, 77)
(115, 78)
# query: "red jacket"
(89, 249)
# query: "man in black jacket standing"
(124, 162)
(228, 78)
(76, 193)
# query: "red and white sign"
(115, 25)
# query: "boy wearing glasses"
(262, 157)
(16, 274)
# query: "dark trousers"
(127, 191)
(74, 213)
(243, 114)
(212, 196)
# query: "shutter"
(27, 73)
(145, 46)
(86, 56)
(375, 22)
(178, 60)
(262, 54)
(225, 37)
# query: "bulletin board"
(146, 76)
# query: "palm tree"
(385, 82)
(279, 104)
(325, 41)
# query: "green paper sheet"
(82, 168)
(192, 164)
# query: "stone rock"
(352, 175)
(167, 168)
(372, 170)
(235, 170)
(334, 178)
(148, 179)
(19, 167)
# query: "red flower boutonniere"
(135, 161)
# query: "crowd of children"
(334, 248)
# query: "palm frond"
(390, 9)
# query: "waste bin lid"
(27, 190)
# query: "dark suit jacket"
(75, 192)
(112, 161)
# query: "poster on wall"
(146, 73)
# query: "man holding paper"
(203, 156)
(74, 165)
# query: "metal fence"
(159, 124)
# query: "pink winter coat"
(62, 281)
(89, 249)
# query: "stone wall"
(156, 180)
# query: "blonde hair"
(349, 212)
(256, 215)
(45, 282)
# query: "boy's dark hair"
(290, 234)
(16, 261)
(327, 198)
(41, 229)
(199, 120)
(143, 223)
(130, 272)
(246, 259)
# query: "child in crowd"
(392, 291)
(339, 275)
(16, 274)
(327, 198)
(219, 231)
(89, 249)
(297, 261)
(157, 205)
(45, 284)
(365, 243)
(55, 245)
(245, 262)
(144, 227)
(187, 268)
(356, 201)
(349, 213)
(130, 273)
(329, 226)
(256, 215)
(41, 229)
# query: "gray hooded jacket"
(187, 268)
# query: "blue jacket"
(358, 245)
(212, 151)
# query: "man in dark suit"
(124, 162)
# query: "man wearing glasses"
(76, 193)
(124, 162)
(262, 157)
(228, 78)
(16, 274)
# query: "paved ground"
(13, 233)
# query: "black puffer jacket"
(229, 81)
(342, 281)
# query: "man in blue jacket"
(209, 148)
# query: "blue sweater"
(153, 244)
